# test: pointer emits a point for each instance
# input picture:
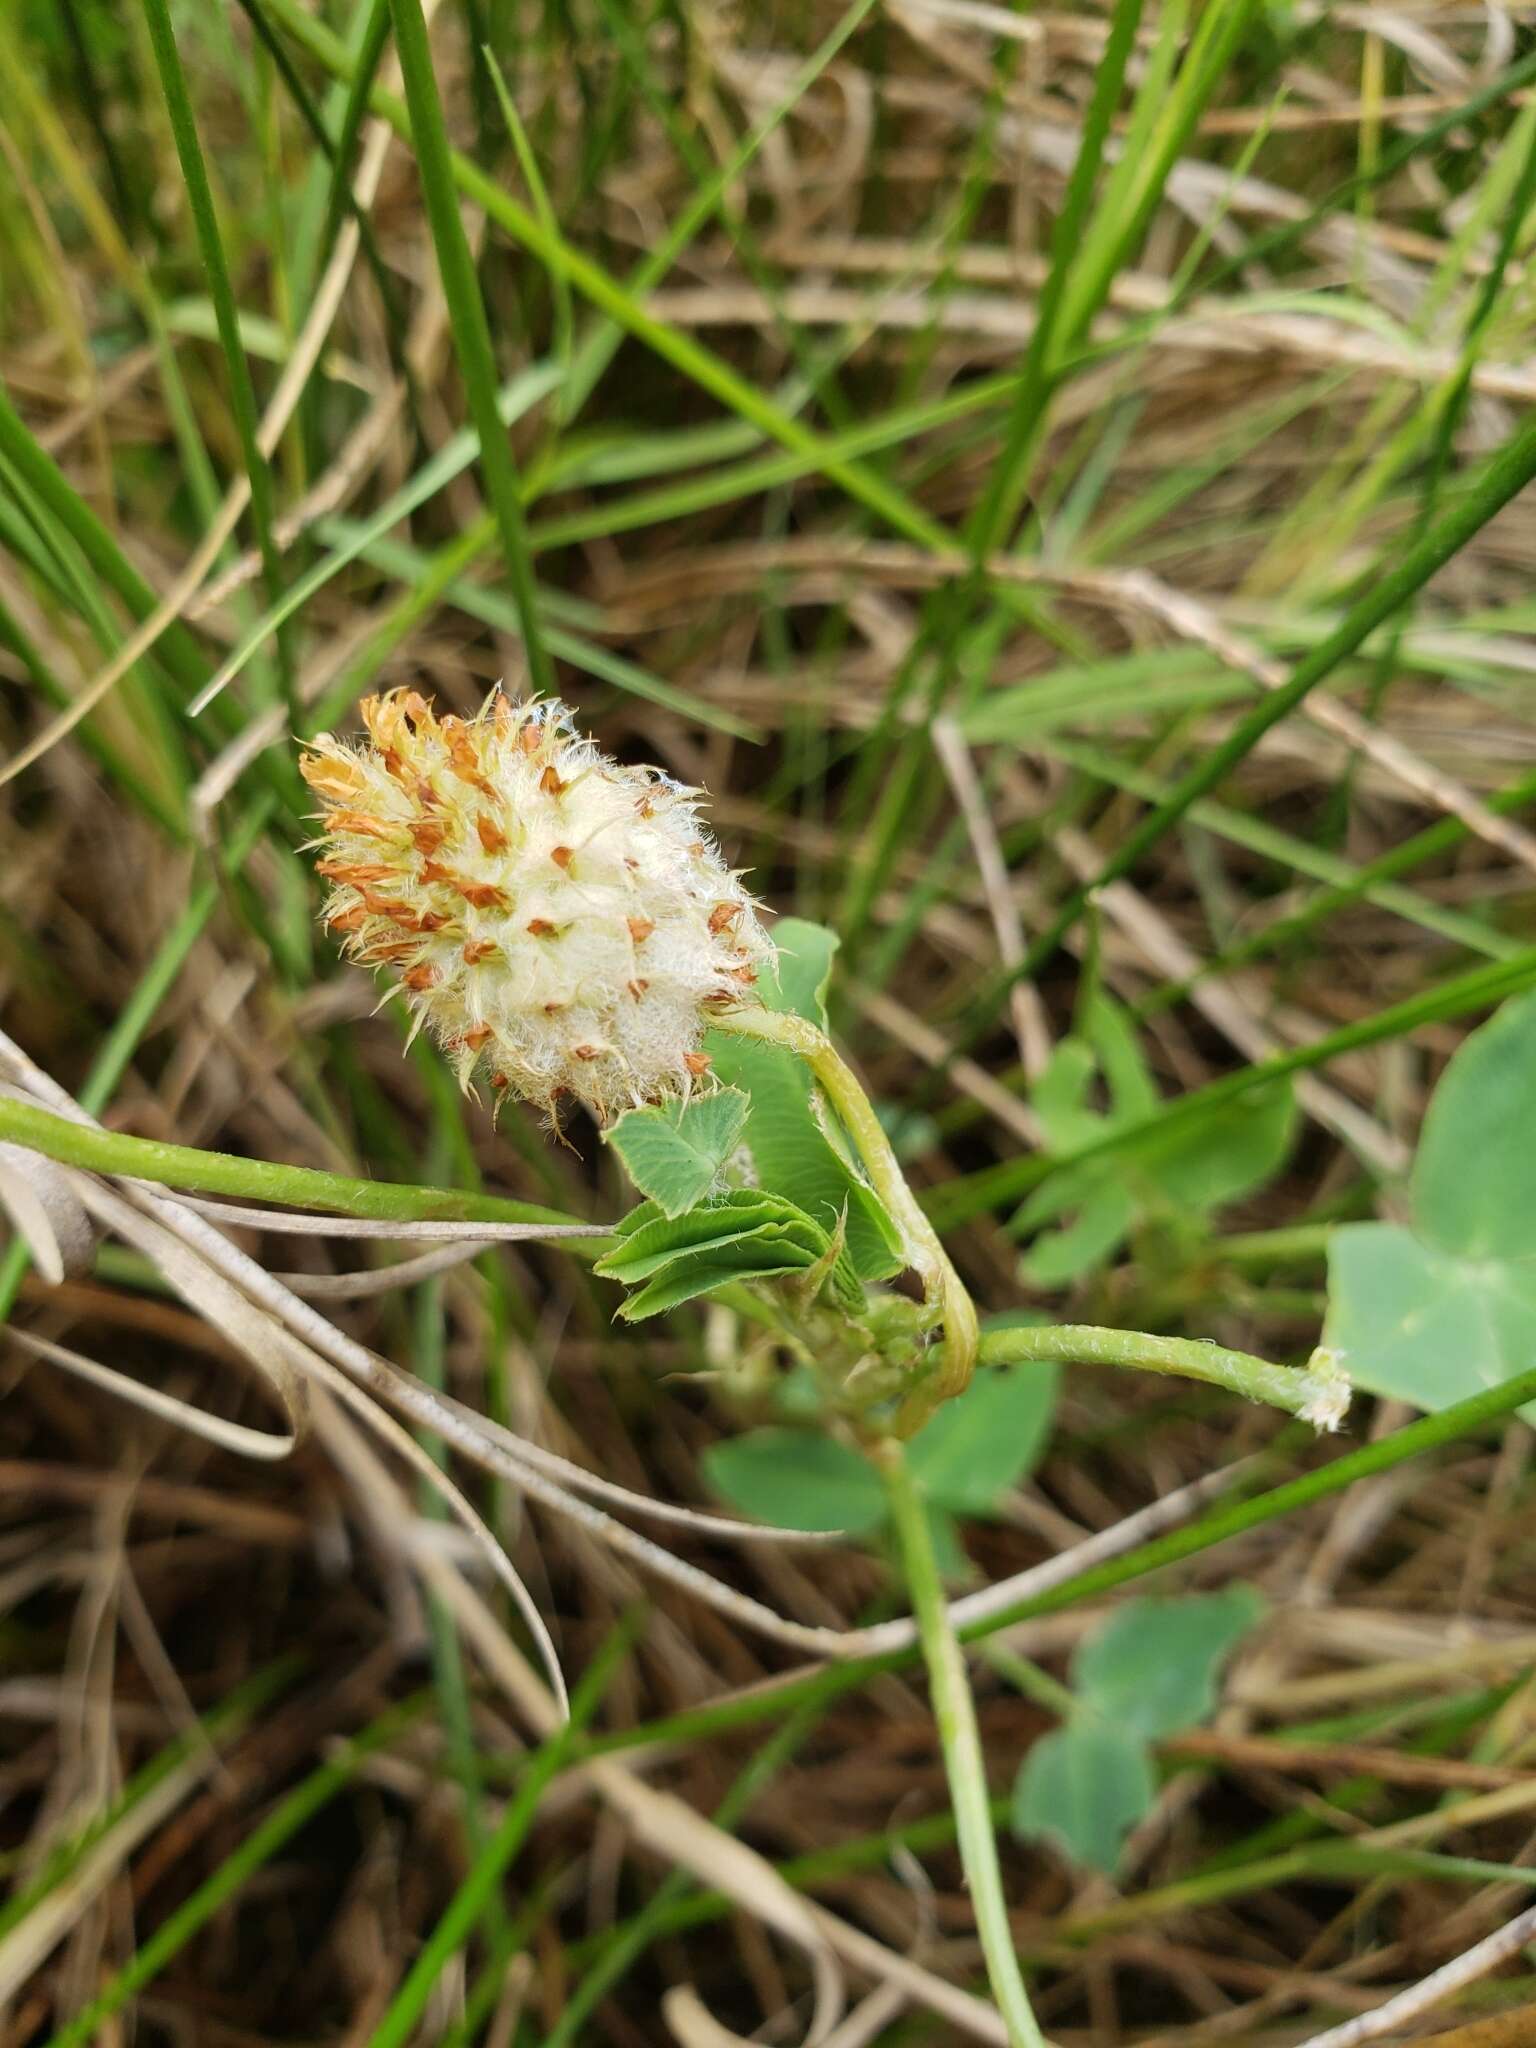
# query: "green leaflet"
(791, 1146)
(746, 1234)
(1431, 1311)
(1084, 1787)
(797, 1479)
(973, 1451)
(1154, 1665)
(1424, 1325)
(768, 1254)
(1191, 1168)
(1150, 1671)
(674, 1151)
(648, 1237)
(986, 1441)
(1474, 1178)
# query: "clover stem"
(954, 1711)
(942, 1285)
(1318, 1392)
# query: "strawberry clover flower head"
(559, 922)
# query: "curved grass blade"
(1502, 479)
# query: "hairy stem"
(955, 1712)
(260, 1180)
(942, 1285)
(1318, 1392)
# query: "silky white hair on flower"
(559, 922)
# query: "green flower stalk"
(943, 1289)
(567, 929)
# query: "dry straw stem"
(1445, 1983)
(1504, 2030)
(1218, 331)
(288, 1342)
(27, 1946)
(673, 1830)
(822, 567)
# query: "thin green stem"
(1298, 1244)
(1232, 1518)
(221, 290)
(1318, 1393)
(955, 1713)
(925, 1254)
(471, 329)
(264, 1180)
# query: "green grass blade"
(1345, 884)
(370, 51)
(430, 579)
(485, 1874)
(242, 393)
(176, 648)
(1146, 171)
(522, 393)
(598, 350)
(698, 364)
(291, 1813)
(942, 626)
(1501, 480)
(563, 340)
(471, 329)
(997, 508)
(222, 1724)
(258, 1180)
(1478, 989)
(165, 811)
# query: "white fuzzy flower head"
(560, 923)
